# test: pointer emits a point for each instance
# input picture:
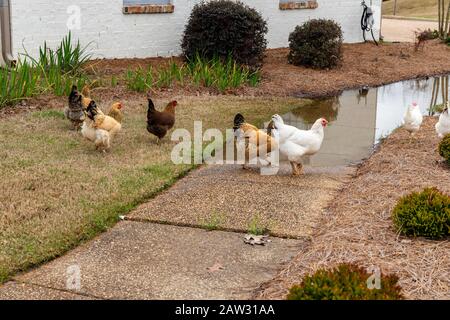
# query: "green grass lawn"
(57, 191)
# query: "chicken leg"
(300, 168)
(295, 171)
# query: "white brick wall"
(115, 35)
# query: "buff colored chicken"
(116, 112)
(102, 121)
(86, 96)
(255, 143)
(100, 137)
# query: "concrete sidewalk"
(402, 30)
(141, 259)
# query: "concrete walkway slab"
(401, 30)
(137, 260)
(233, 198)
(23, 291)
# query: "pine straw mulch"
(362, 64)
(357, 226)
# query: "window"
(144, 2)
(147, 6)
(298, 4)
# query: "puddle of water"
(358, 121)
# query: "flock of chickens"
(294, 143)
(291, 142)
(100, 128)
(413, 120)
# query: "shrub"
(444, 148)
(425, 213)
(223, 27)
(345, 282)
(317, 43)
(425, 35)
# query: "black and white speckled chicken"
(74, 111)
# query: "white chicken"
(100, 137)
(412, 119)
(295, 143)
(443, 125)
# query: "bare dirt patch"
(358, 228)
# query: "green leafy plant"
(53, 71)
(18, 83)
(425, 213)
(68, 57)
(224, 27)
(444, 148)
(221, 74)
(214, 73)
(213, 222)
(255, 226)
(138, 80)
(317, 44)
(165, 78)
(345, 282)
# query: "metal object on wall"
(6, 57)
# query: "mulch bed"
(363, 64)
(357, 226)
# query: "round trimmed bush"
(317, 44)
(444, 148)
(425, 213)
(222, 28)
(345, 282)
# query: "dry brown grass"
(57, 191)
(412, 8)
(358, 226)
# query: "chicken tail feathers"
(238, 121)
(151, 107)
